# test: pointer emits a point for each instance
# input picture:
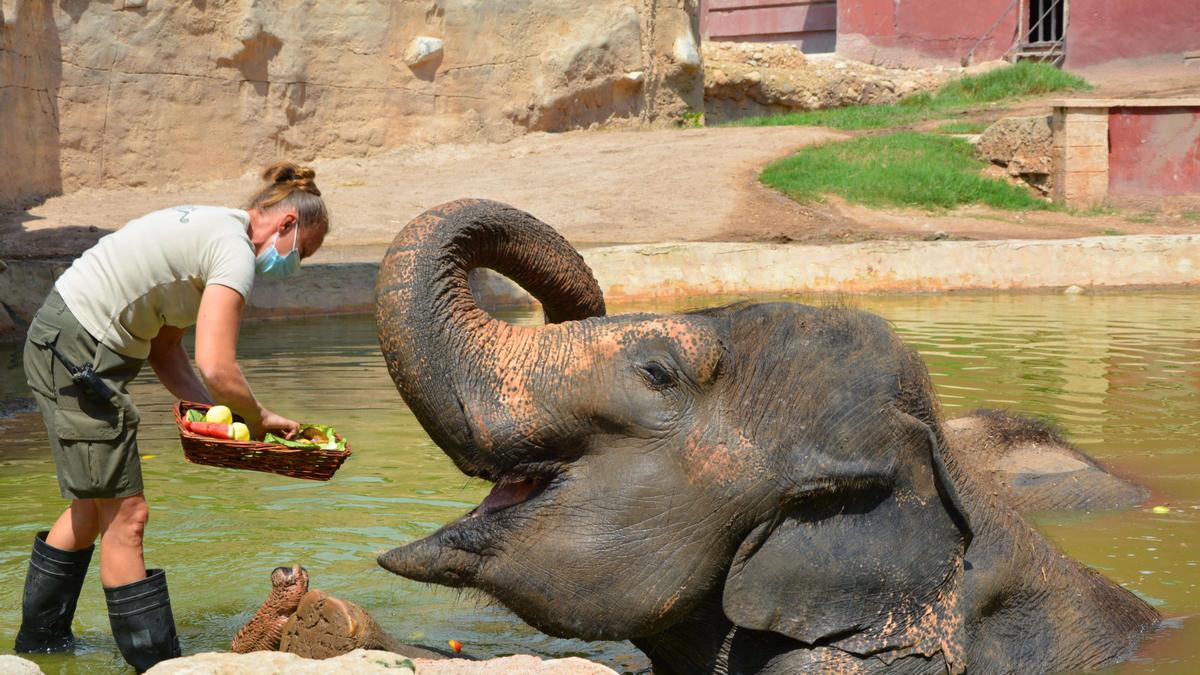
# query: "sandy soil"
(595, 187)
(599, 187)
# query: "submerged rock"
(364, 661)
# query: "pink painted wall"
(1099, 31)
(908, 30)
(808, 24)
(1153, 151)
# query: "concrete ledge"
(639, 272)
(664, 270)
(1182, 102)
(341, 288)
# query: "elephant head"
(780, 463)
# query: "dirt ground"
(595, 187)
(601, 187)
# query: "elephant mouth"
(452, 555)
(510, 491)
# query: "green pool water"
(1120, 372)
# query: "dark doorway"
(1047, 19)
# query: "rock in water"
(15, 665)
(364, 661)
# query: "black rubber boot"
(51, 591)
(140, 615)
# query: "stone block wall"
(1080, 155)
(149, 92)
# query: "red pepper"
(212, 429)
(456, 646)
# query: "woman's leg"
(57, 567)
(77, 527)
(122, 524)
(139, 607)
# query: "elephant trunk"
(464, 374)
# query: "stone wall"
(1080, 155)
(148, 92)
(743, 79)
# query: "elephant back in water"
(753, 488)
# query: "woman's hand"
(278, 425)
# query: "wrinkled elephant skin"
(756, 488)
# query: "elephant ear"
(869, 566)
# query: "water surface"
(1120, 372)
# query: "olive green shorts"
(94, 442)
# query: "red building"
(1074, 33)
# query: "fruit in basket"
(240, 432)
(310, 436)
(211, 429)
(318, 435)
(219, 414)
(194, 415)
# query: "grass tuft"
(1023, 79)
(901, 169)
(1019, 80)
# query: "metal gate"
(808, 24)
(1043, 29)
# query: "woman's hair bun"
(286, 172)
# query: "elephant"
(755, 488)
(1034, 467)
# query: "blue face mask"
(271, 265)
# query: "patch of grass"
(692, 119)
(849, 118)
(1142, 218)
(1023, 79)
(1111, 232)
(901, 169)
(961, 127)
(1193, 216)
(1026, 78)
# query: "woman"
(125, 301)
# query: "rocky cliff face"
(147, 92)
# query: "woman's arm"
(217, 327)
(171, 364)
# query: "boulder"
(422, 50)
(1022, 146)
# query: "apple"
(219, 414)
(239, 431)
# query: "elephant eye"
(656, 376)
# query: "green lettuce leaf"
(311, 436)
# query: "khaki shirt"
(152, 272)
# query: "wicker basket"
(310, 463)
